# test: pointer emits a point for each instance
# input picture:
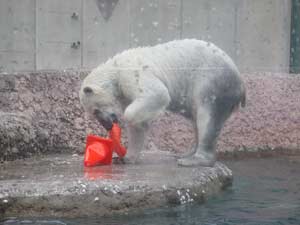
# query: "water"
(264, 192)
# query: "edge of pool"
(103, 191)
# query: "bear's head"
(99, 99)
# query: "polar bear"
(190, 76)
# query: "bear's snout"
(114, 118)
(106, 119)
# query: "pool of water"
(264, 192)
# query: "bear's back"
(177, 56)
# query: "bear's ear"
(88, 90)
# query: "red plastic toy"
(99, 150)
(115, 135)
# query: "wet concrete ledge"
(60, 186)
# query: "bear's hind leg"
(193, 149)
(208, 128)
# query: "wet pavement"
(59, 185)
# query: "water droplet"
(155, 23)
(26, 222)
(172, 4)
(145, 67)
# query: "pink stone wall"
(271, 119)
(272, 116)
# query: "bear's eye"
(88, 90)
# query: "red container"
(98, 151)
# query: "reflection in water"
(98, 172)
(104, 172)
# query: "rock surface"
(17, 136)
(60, 186)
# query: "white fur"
(140, 83)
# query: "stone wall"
(62, 34)
(44, 109)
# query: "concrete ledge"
(61, 187)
